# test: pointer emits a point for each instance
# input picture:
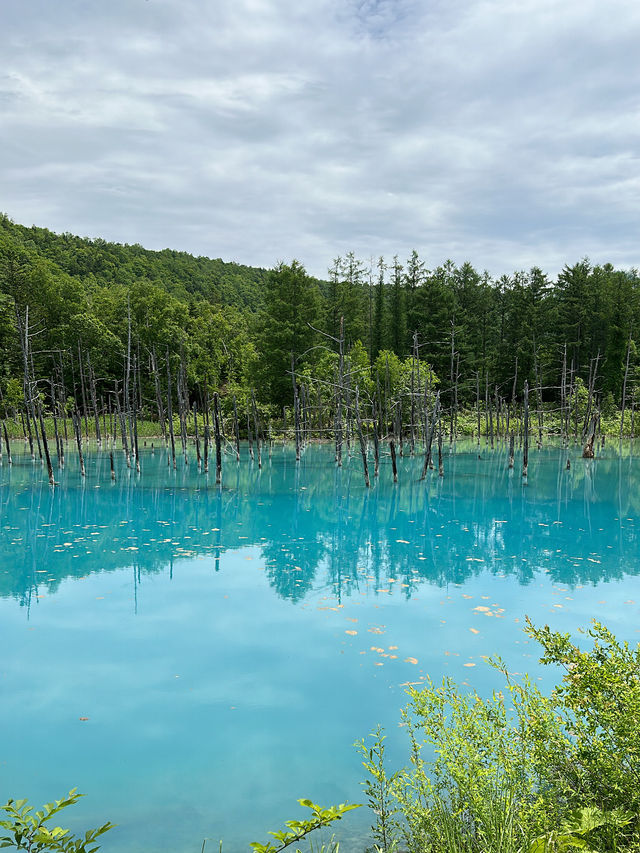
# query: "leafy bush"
(28, 831)
(298, 829)
(521, 771)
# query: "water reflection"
(317, 527)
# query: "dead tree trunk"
(256, 426)
(564, 415)
(525, 437)
(196, 435)
(249, 436)
(216, 426)
(45, 444)
(376, 442)
(26, 382)
(183, 404)
(94, 398)
(593, 374)
(76, 429)
(363, 445)
(123, 427)
(156, 382)
(587, 450)
(412, 424)
(6, 442)
(451, 374)
(206, 448)
(429, 437)
(236, 428)
(136, 450)
(83, 393)
(59, 451)
(478, 403)
(624, 388)
(170, 412)
(339, 389)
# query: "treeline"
(90, 307)
(468, 326)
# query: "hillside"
(99, 262)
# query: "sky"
(502, 132)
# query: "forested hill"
(87, 308)
(97, 262)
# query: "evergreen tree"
(414, 279)
(292, 306)
(380, 319)
(397, 311)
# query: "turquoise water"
(229, 646)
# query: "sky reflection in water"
(228, 647)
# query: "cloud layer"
(505, 132)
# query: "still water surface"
(229, 646)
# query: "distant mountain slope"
(181, 274)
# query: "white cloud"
(497, 131)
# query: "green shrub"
(521, 771)
(28, 831)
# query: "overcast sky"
(504, 132)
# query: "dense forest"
(75, 311)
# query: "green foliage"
(29, 831)
(238, 326)
(378, 789)
(298, 829)
(292, 309)
(521, 771)
(578, 831)
(598, 701)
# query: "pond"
(195, 659)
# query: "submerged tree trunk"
(216, 426)
(394, 466)
(76, 428)
(6, 442)
(170, 412)
(429, 438)
(363, 446)
(525, 437)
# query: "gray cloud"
(505, 132)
